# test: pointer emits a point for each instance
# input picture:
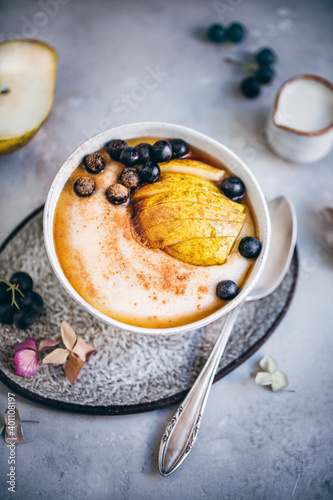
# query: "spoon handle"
(181, 432)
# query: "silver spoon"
(181, 432)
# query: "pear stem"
(247, 66)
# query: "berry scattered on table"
(115, 147)
(161, 151)
(144, 150)
(5, 295)
(24, 281)
(216, 33)
(94, 163)
(235, 32)
(6, 313)
(117, 194)
(18, 303)
(149, 172)
(264, 74)
(129, 178)
(23, 318)
(265, 56)
(233, 187)
(179, 148)
(84, 186)
(31, 301)
(260, 72)
(226, 290)
(250, 87)
(249, 247)
(129, 156)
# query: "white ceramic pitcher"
(300, 126)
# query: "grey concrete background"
(253, 444)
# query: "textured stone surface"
(128, 369)
(252, 445)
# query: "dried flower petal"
(14, 431)
(26, 363)
(73, 367)
(43, 344)
(83, 349)
(68, 335)
(327, 214)
(263, 378)
(27, 344)
(268, 364)
(279, 381)
(329, 239)
(58, 357)
(17, 417)
(14, 437)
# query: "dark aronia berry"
(7, 313)
(216, 33)
(129, 178)
(84, 186)
(250, 87)
(117, 194)
(94, 163)
(5, 294)
(31, 301)
(144, 152)
(24, 318)
(235, 32)
(264, 74)
(22, 279)
(233, 188)
(115, 147)
(161, 151)
(150, 172)
(265, 56)
(226, 290)
(249, 247)
(129, 156)
(179, 148)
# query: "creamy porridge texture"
(108, 266)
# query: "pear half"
(194, 167)
(27, 81)
(186, 215)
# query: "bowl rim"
(69, 166)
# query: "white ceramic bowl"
(163, 130)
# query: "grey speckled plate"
(130, 373)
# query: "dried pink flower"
(26, 357)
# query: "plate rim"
(85, 409)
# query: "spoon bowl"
(283, 239)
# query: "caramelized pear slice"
(193, 179)
(202, 251)
(194, 167)
(158, 214)
(165, 186)
(171, 232)
(190, 195)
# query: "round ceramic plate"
(130, 373)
